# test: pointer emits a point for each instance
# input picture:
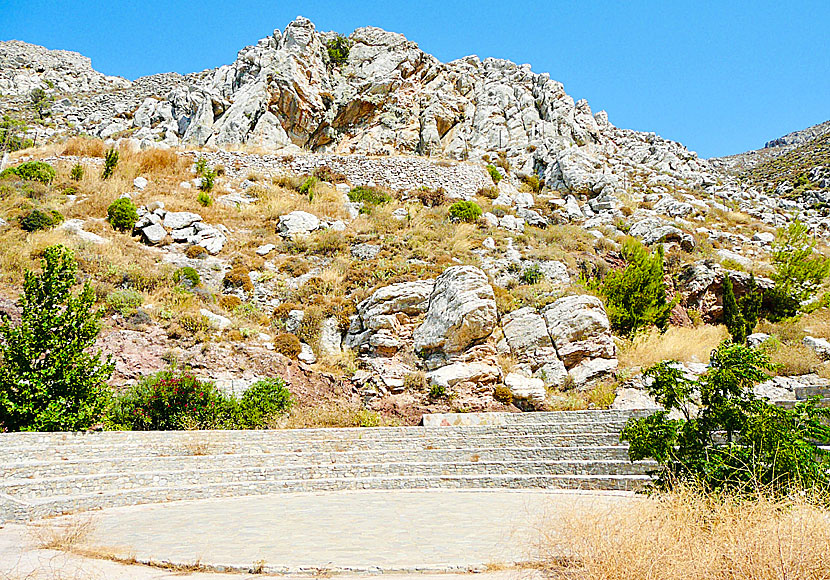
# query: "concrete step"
(58, 468)
(243, 475)
(17, 510)
(206, 442)
(804, 393)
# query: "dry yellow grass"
(677, 343)
(687, 535)
(66, 535)
(84, 147)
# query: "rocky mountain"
(241, 262)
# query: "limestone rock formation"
(462, 311)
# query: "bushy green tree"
(49, 380)
(32, 171)
(636, 296)
(734, 440)
(263, 401)
(338, 49)
(37, 220)
(464, 211)
(122, 214)
(495, 174)
(799, 269)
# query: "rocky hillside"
(296, 217)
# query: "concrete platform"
(363, 532)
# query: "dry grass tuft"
(64, 535)
(692, 536)
(677, 343)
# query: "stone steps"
(106, 482)
(204, 443)
(52, 473)
(13, 509)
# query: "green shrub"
(77, 172)
(208, 180)
(122, 214)
(465, 211)
(31, 171)
(188, 276)
(740, 318)
(125, 302)
(37, 220)
(437, 391)
(636, 296)
(532, 275)
(263, 401)
(110, 163)
(734, 440)
(369, 196)
(173, 400)
(11, 131)
(338, 50)
(307, 188)
(200, 166)
(533, 183)
(49, 378)
(204, 199)
(495, 174)
(799, 270)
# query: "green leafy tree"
(734, 440)
(636, 295)
(799, 269)
(49, 381)
(464, 211)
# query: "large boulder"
(700, 286)
(462, 311)
(527, 336)
(581, 333)
(297, 223)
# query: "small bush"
(307, 188)
(503, 395)
(532, 275)
(77, 172)
(110, 163)
(437, 391)
(32, 171)
(288, 345)
(122, 214)
(495, 174)
(369, 196)
(193, 323)
(533, 183)
(238, 277)
(229, 302)
(124, 302)
(37, 220)
(187, 276)
(204, 199)
(416, 381)
(431, 197)
(338, 50)
(465, 211)
(196, 252)
(326, 173)
(489, 192)
(263, 401)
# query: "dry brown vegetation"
(691, 536)
(677, 343)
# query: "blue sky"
(720, 77)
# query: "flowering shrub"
(172, 400)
